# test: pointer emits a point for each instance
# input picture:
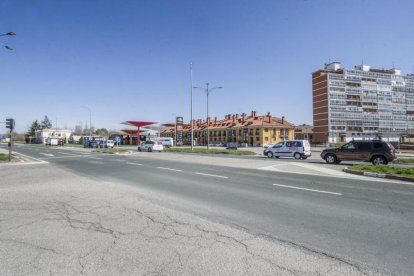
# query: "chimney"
(243, 117)
(283, 120)
(233, 117)
(237, 116)
(208, 120)
(269, 117)
(215, 120)
(253, 114)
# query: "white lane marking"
(305, 189)
(58, 157)
(130, 163)
(66, 153)
(24, 163)
(24, 155)
(212, 175)
(91, 157)
(162, 168)
(46, 154)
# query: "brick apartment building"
(252, 130)
(361, 104)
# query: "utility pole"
(191, 113)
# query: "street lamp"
(90, 120)
(9, 34)
(208, 91)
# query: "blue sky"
(129, 60)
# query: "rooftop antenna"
(393, 65)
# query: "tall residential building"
(361, 104)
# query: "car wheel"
(297, 155)
(149, 149)
(378, 160)
(330, 158)
(304, 157)
(269, 154)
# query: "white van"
(165, 141)
(299, 149)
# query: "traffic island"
(209, 151)
(110, 151)
(383, 171)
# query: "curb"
(380, 175)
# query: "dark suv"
(375, 151)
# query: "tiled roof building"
(253, 130)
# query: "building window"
(257, 138)
(266, 130)
(257, 131)
(266, 139)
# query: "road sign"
(117, 139)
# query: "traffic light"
(10, 123)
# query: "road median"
(383, 171)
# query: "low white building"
(42, 135)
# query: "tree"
(102, 132)
(46, 123)
(33, 128)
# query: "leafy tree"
(46, 123)
(102, 132)
(33, 128)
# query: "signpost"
(10, 124)
(179, 131)
(117, 139)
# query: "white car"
(109, 144)
(151, 146)
(299, 149)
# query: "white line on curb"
(162, 168)
(305, 189)
(91, 157)
(213, 175)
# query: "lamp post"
(208, 91)
(90, 120)
(191, 112)
(8, 34)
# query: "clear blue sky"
(129, 60)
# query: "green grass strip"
(384, 169)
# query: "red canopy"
(131, 131)
(138, 123)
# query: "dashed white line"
(168, 169)
(46, 154)
(90, 157)
(136, 164)
(66, 153)
(306, 189)
(212, 175)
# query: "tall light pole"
(8, 34)
(90, 120)
(208, 91)
(191, 112)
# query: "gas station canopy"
(138, 123)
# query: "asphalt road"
(366, 223)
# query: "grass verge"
(384, 169)
(4, 157)
(404, 160)
(110, 151)
(210, 151)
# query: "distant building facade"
(42, 135)
(251, 130)
(361, 104)
(304, 132)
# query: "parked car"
(93, 144)
(374, 151)
(268, 146)
(299, 149)
(232, 146)
(109, 144)
(151, 146)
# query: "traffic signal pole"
(11, 144)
